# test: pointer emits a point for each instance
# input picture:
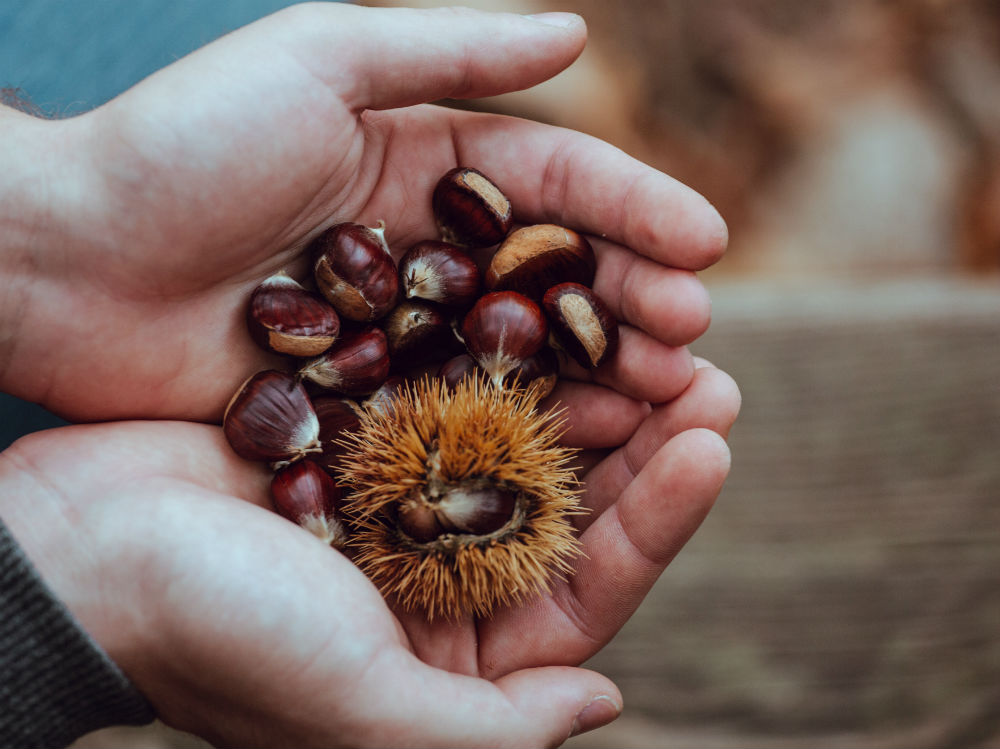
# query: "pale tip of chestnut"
(581, 323)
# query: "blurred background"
(845, 591)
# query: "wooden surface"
(846, 587)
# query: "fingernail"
(599, 712)
(562, 20)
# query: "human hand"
(142, 226)
(242, 628)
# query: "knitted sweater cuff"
(56, 683)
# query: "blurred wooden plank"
(849, 578)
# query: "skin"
(133, 236)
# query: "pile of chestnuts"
(364, 328)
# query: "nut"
(502, 330)
(476, 508)
(337, 417)
(355, 272)
(305, 494)
(470, 209)
(535, 258)
(439, 272)
(539, 371)
(271, 419)
(418, 332)
(355, 365)
(582, 324)
(284, 318)
(457, 369)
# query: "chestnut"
(457, 369)
(355, 365)
(418, 332)
(305, 494)
(337, 416)
(477, 509)
(382, 400)
(539, 371)
(503, 329)
(285, 318)
(470, 209)
(582, 324)
(439, 272)
(271, 419)
(355, 272)
(535, 258)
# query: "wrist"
(63, 541)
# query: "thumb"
(381, 58)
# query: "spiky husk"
(478, 430)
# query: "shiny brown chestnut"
(285, 318)
(355, 272)
(439, 272)
(337, 416)
(271, 419)
(382, 400)
(355, 365)
(539, 371)
(535, 258)
(470, 209)
(307, 495)
(581, 323)
(501, 330)
(457, 369)
(418, 332)
(476, 509)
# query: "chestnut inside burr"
(480, 512)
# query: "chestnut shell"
(535, 258)
(470, 209)
(355, 272)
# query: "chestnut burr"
(535, 258)
(355, 272)
(581, 323)
(470, 209)
(285, 318)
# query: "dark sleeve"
(56, 684)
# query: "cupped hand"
(150, 219)
(244, 629)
